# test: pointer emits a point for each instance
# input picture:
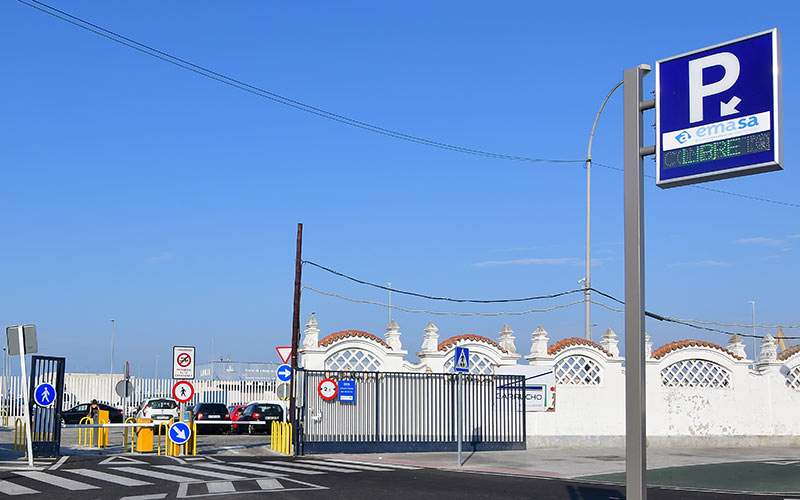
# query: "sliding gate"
(372, 412)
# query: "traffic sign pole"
(635, 409)
(26, 417)
(460, 416)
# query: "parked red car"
(235, 411)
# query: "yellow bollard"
(83, 434)
(129, 420)
(166, 437)
(20, 443)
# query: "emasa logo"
(683, 137)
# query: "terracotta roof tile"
(452, 341)
(682, 344)
(563, 344)
(788, 353)
(345, 334)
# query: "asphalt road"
(157, 477)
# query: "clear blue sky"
(139, 191)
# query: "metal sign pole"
(26, 418)
(635, 409)
(460, 415)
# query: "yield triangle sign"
(284, 353)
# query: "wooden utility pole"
(298, 270)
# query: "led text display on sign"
(718, 112)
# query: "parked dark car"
(263, 412)
(209, 412)
(77, 412)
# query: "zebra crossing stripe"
(228, 468)
(326, 468)
(279, 468)
(111, 478)
(391, 466)
(157, 475)
(269, 484)
(198, 472)
(61, 482)
(351, 466)
(10, 488)
(221, 487)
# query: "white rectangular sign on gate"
(183, 362)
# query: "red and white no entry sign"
(183, 362)
(183, 391)
(327, 389)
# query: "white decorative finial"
(609, 342)
(393, 336)
(311, 333)
(736, 346)
(430, 341)
(769, 349)
(648, 346)
(539, 342)
(506, 340)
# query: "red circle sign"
(184, 359)
(183, 391)
(327, 389)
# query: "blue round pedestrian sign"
(284, 373)
(44, 395)
(179, 432)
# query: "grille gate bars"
(395, 412)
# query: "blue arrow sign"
(284, 373)
(718, 111)
(179, 433)
(44, 395)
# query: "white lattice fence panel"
(353, 360)
(695, 373)
(578, 370)
(793, 378)
(479, 365)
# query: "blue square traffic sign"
(461, 360)
(347, 391)
(718, 111)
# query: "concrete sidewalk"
(575, 462)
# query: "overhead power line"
(444, 313)
(432, 297)
(293, 103)
(713, 190)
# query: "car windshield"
(162, 404)
(212, 408)
(271, 410)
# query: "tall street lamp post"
(587, 281)
(111, 370)
(755, 354)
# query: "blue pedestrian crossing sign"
(179, 432)
(461, 360)
(284, 373)
(44, 395)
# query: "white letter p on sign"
(698, 91)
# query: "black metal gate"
(46, 421)
(375, 412)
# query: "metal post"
(298, 270)
(635, 408)
(587, 284)
(111, 370)
(755, 354)
(460, 417)
(26, 417)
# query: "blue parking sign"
(347, 391)
(718, 111)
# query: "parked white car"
(158, 409)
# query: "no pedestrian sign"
(183, 391)
(183, 362)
